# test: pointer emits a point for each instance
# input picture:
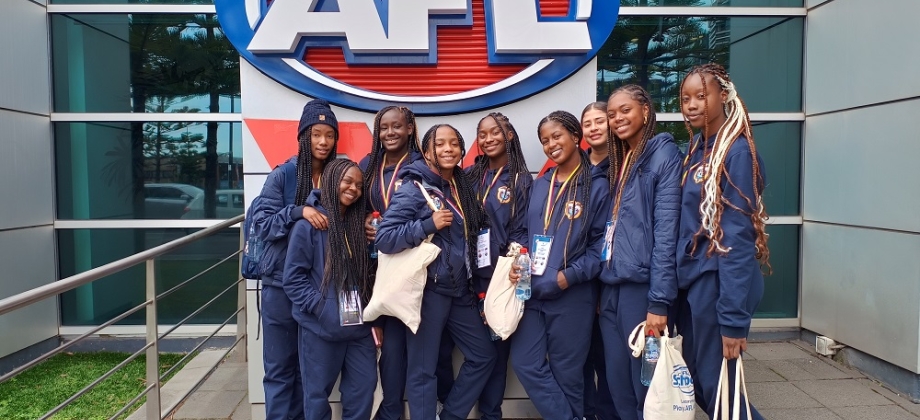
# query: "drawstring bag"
(670, 395)
(502, 308)
(401, 279)
(722, 399)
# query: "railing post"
(153, 359)
(241, 320)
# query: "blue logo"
(436, 56)
(680, 379)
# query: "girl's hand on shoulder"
(442, 218)
(317, 219)
(368, 229)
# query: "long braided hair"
(346, 260)
(475, 216)
(582, 186)
(737, 123)
(305, 164)
(517, 165)
(618, 148)
(377, 153)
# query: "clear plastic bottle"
(375, 223)
(522, 290)
(482, 313)
(253, 246)
(650, 359)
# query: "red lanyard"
(387, 193)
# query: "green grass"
(36, 391)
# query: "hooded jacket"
(408, 222)
(506, 205)
(645, 238)
(304, 266)
(374, 194)
(274, 217)
(579, 263)
(739, 267)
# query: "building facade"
(123, 129)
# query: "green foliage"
(36, 391)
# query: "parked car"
(168, 201)
(230, 203)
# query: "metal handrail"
(53, 289)
(152, 391)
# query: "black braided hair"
(583, 179)
(517, 165)
(305, 164)
(476, 218)
(346, 260)
(617, 147)
(377, 152)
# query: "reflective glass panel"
(143, 63)
(152, 170)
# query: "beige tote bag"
(502, 308)
(401, 280)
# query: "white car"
(168, 201)
(230, 203)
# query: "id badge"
(350, 311)
(483, 249)
(542, 244)
(608, 240)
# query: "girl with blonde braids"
(638, 275)
(722, 245)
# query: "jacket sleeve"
(401, 228)
(739, 266)
(273, 220)
(587, 267)
(297, 268)
(665, 222)
(518, 232)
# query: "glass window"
(704, 3)
(84, 249)
(150, 170)
(781, 289)
(762, 54)
(780, 147)
(143, 63)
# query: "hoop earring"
(644, 122)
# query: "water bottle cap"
(523, 250)
(482, 295)
(375, 214)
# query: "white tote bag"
(502, 308)
(401, 280)
(722, 392)
(670, 395)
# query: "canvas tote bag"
(670, 395)
(401, 279)
(502, 308)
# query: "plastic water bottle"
(482, 313)
(375, 223)
(253, 248)
(522, 290)
(649, 359)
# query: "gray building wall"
(861, 180)
(27, 251)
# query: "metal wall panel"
(859, 54)
(28, 262)
(25, 64)
(26, 171)
(861, 287)
(860, 167)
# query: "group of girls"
(631, 231)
